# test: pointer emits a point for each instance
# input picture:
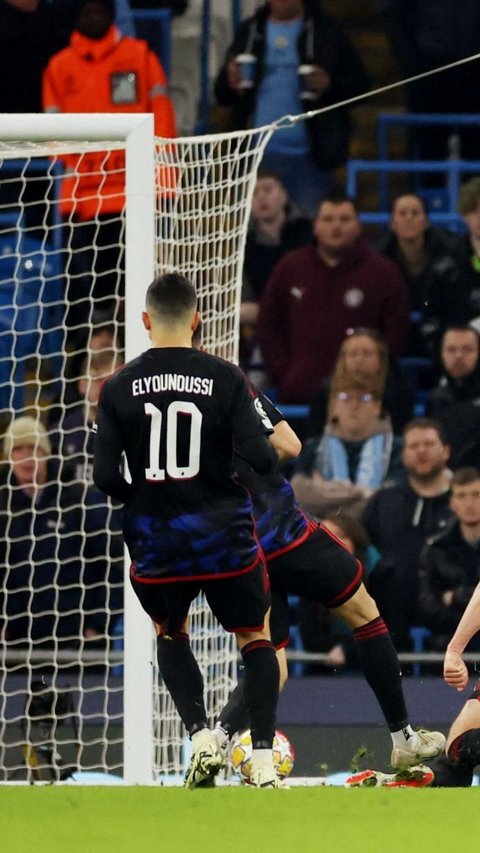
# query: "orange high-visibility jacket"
(114, 74)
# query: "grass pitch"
(236, 820)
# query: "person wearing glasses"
(364, 353)
(341, 468)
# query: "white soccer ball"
(241, 754)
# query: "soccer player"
(453, 768)
(177, 414)
(304, 558)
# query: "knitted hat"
(26, 431)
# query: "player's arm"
(250, 427)
(455, 672)
(107, 452)
(284, 439)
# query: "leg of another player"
(261, 686)
(381, 668)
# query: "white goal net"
(85, 223)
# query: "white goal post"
(186, 206)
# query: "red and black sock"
(183, 680)
(381, 668)
(464, 751)
(261, 687)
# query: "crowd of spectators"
(334, 316)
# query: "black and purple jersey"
(280, 521)
(179, 415)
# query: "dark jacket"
(307, 307)
(470, 271)
(399, 522)
(456, 404)
(425, 33)
(261, 256)
(27, 41)
(438, 296)
(448, 562)
(321, 42)
(54, 568)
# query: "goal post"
(185, 207)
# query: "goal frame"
(136, 131)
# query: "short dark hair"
(464, 476)
(426, 423)
(337, 197)
(171, 296)
(419, 198)
(461, 327)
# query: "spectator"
(283, 37)
(400, 518)
(469, 244)
(455, 402)
(275, 228)
(364, 353)
(55, 574)
(427, 34)
(340, 469)
(450, 563)
(73, 439)
(66, 11)
(319, 629)
(100, 71)
(316, 293)
(426, 257)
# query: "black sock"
(381, 668)
(464, 751)
(234, 716)
(261, 687)
(183, 680)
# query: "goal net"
(86, 221)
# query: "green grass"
(236, 820)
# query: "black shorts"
(320, 569)
(239, 602)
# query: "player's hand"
(455, 672)
(234, 75)
(319, 81)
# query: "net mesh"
(62, 325)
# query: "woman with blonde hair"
(340, 469)
(364, 353)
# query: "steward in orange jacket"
(114, 74)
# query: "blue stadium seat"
(418, 635)
(31, 311)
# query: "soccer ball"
(241, 755)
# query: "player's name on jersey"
(172, 382)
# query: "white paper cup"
(247, 63)
(306, 94)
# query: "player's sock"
(448, 775)
(234, 716)
(464, 751)
(183, 680)
(381, 668)
(261, 687)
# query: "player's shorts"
(239, 603)
(320, 569)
